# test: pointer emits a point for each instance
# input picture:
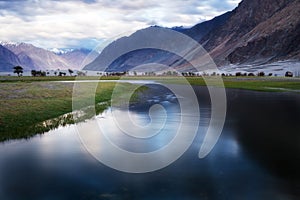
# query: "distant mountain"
(37, 58)
(31, 57)
(131, 59)
(256, 32)
(78, 58)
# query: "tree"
(33, 72)
(289, 74)
(71, 72)
(238, 74)
(38, 73)
(18, 70)
(79, 73)
(261, 74)
(43, 73)
(62, 74)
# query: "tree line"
(19, 71)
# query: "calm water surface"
(256, 157)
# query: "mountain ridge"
(255, 32)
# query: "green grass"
(32, 105)
(29, 108)
(264, 84)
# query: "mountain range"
(257, 32)
(31, 57)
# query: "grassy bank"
(29, 108)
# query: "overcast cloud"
(85, 23)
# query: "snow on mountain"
(7, 43)
(60, 51)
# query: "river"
(256, 157)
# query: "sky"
(86, 23)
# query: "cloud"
(74, 23)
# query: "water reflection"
(164, 125)
(257, 156)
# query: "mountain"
(31, 57)
(36, 58)
(145, 56)
(256, 32)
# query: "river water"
(256, 157)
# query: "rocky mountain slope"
(256, 32)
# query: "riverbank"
(30, 108)
(32, 105)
